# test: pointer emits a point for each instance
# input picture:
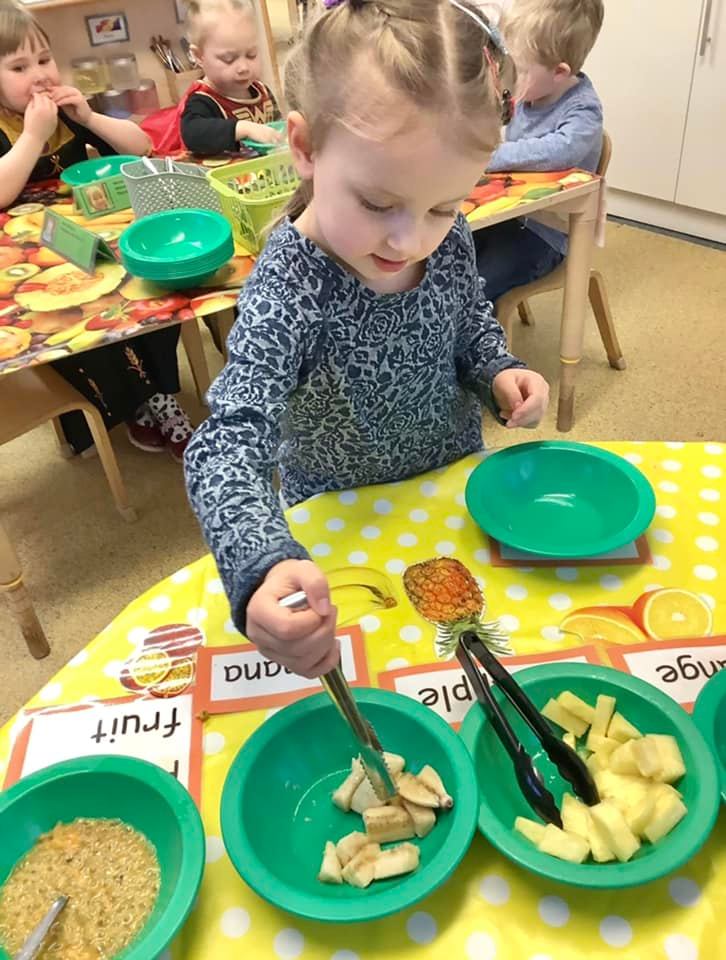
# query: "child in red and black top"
(230, 103)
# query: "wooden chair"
(517, 298)
(29, 398)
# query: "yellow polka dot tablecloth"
(171, 680)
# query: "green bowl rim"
(382, 902)
(644, 514)
(189, 877)
(703, 810)
(69, 174)
(704, 716)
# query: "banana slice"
(343, 796)
(360, 870)
(430, 778)
(415, 791)
(349, 845)
(330, 871)
(384, 824)
(424, 818)
(394, 862)
(365, 797)
(395, 763)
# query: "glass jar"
(123, 72)
(89, 75)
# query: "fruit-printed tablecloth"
(171, 679)
(49, 308)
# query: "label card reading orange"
(234, 679)
(445, 688)
(680, 668)
(164, 732)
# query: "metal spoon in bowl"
(36, 941)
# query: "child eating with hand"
(230, 103)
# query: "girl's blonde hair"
(200, 13)
(17, 24)
(442, 56)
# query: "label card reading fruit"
(445, 688)
(73, 242)
(164, 732)
(680, 668)
(235, 679)
(637, 553)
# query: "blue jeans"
(509, 255)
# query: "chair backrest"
(605, 154)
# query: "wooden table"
(580, 203)
(489, 909)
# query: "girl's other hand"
(40, 118)
(522, 396)
(261, 133)
(301, 640)
(73, 102)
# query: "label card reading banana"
(164, 732)
(234, 679)
(445, 688)
(680, 668)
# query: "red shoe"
(148, 438)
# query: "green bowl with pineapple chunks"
(501, 801)
(277, 811)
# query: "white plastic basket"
(185, 186)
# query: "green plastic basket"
(250, 204)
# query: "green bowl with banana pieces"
(279, 818)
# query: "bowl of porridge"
(121, 838)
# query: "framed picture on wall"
(180, 8)
(107, 28)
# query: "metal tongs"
(371, 751)
(569, 764)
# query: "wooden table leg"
(21, 606)
(192, 340)
(574, 305)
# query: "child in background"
(366, 345)
(231, 103)
(557, 124)
(44, 128)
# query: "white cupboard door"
(701, 182)
(642, 66)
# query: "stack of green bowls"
(177, 248)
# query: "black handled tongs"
(569, 764)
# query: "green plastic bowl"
(651, 712)
(265, 148)
(174, 239)
(114, 787)
(98, 168)
(559, 499)
(277, 810)
(709, 715)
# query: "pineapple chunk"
(595, 762)
(530, 829)
(568, 721)
(603, 713)
(621, 730)
(616, 832)
(673, 767)
(623, 759)
(569, 739)
(563, 845)
(575, 705)
(575, 816)
(599, 744)
(647, 757)
(601, 852)
(669, 811)
(330, 871)
(639, 814)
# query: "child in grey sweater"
(557, 124)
